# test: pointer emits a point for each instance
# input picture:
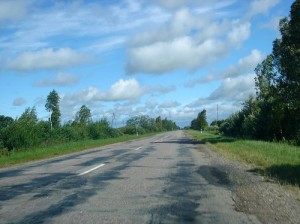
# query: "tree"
(29, 115)
(278, 83)
(200, 123)
(5, 121)
(52, 105)
(23, 132)
(194, 124)
(83, 116)
(158, 123)
(286, 51)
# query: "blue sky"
(168, 58)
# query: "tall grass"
(277, 160)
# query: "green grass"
(275, 160)
(23, 156)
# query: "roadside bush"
(214, 129)
(21, 134)
(102, 130)
(131, 130)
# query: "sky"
(125, 58)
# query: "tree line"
(28, 131)
(274, 113)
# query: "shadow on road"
(213, 140)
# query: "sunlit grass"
(275, 160)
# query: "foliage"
(151, 125)
(200, 123)
(52, 105)
(23, 132)
(83, 116)
(275, 113)
(132, 130)
(5, 121)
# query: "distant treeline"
(274, 114)
(29, 132)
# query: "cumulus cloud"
(233, 90)
(185, 43)
(180, 24)
(121, 90)
(19, 101)
(165, 57)
(61, 79)
(245, 65)
(48, 59)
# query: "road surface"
(160, 179)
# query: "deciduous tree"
(52, 105)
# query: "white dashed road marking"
(90, 170)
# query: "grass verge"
(275, 160)
(23, 156)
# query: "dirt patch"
(268, 201)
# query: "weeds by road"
(274, 160)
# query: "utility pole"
(113, 119)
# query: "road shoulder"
(252, 193)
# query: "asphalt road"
(161, 179)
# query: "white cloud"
(181, 53)
(120, 91)
(244, 65)
(48, 59)
(233, 90)
(239, 33)
(185, 43)
(61, 79)
(180, 24)
(229, 97)
(19, 101)
(123, 90)
(261, 6)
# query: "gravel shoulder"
(252, 193)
